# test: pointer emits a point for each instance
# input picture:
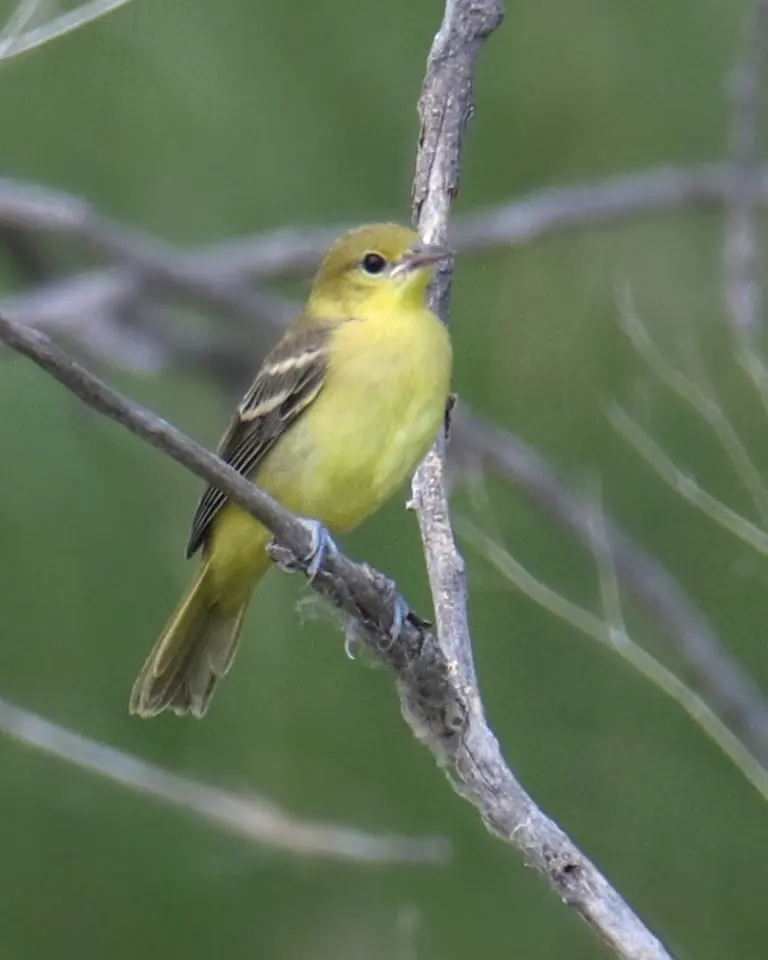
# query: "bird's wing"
(290, 378)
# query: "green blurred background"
(198, 120)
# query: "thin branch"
(17, 42)
(217, 274)
(725, 684)
(111, 320)
(477, 769)
(610, 594)
(86, 309)
(33, 208)
(700, 397)
(255, 819)
(742, 244)
(685, 484)
(445, 106)
(513, 223)
(614, 636)
(557, 210)
(618, 637)
(22, 16)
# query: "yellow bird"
(341, 412)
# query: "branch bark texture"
(466, 745)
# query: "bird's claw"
(399, 616)
(401, 610)
(321, 546)
(351, 640)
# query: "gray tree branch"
(29, 207)
(472, 754)
(253, 818)
(216, 274)
(17, 39)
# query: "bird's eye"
(373, 263)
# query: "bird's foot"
(402, 614)
(399, 614)
(321, 546)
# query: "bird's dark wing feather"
(290, 378)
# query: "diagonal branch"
(19, 41)
(33, 208)
(254, 819)
(472, 755)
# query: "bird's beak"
(420, 255)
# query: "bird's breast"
(378, 412)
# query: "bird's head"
(382, 264)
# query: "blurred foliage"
(198, 120)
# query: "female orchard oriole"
(340, 413)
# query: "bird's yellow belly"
(347, 474)
(356, 444)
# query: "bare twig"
(87, 309)
(91, 307)
(611, 633)
(217, 274)
(742, 245)
(724, 683)
(685, 484)
(18, 42)
(288, 251)
(473, 757)
(22, 16)
(556, 210)
(251, 817)
(700, 397)
(28, 207)
(110, 318)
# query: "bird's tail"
(193, 652)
